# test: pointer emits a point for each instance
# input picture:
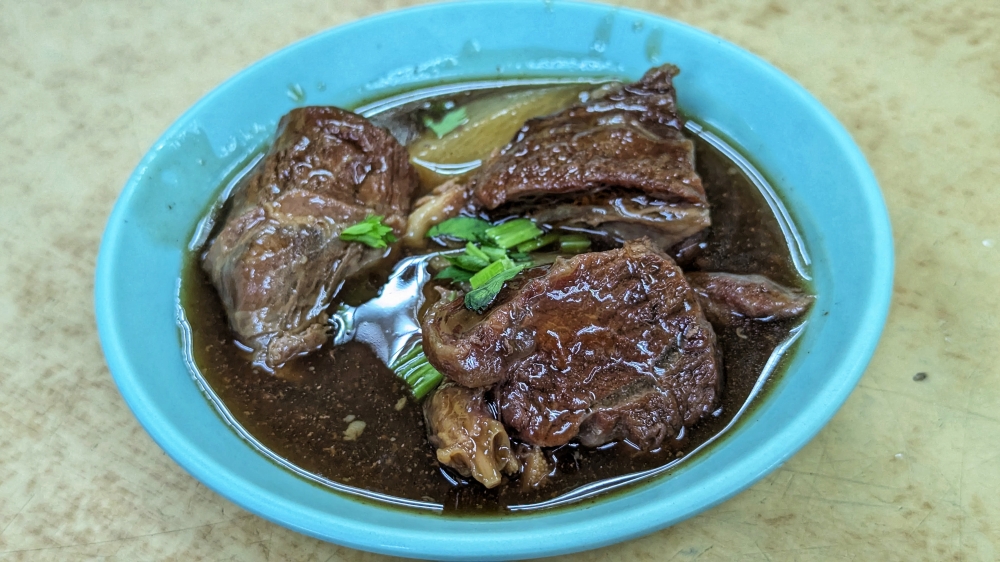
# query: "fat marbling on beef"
(600, 347)
(278, 259)
(617, 162)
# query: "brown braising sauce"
(302, 413)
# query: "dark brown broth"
(301, 415)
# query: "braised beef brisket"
(278, 260)
(728, 297)
(601, 347)
(623, 149)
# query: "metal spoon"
(388, 323)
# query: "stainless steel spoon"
(388, 323)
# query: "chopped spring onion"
(520, 257)
(474, 251)
(473, 259)
(512, 233)
(454, 273)
(480, 298)
(417, 372)
(494, 253)
(448, 123)
(464, 228)
(574, 243)
(540, 242)
(490, 271)
(467, 261)
(371, 232)
(501, 253)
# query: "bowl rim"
(855, 358)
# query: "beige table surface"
(906, 470)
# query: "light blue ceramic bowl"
(820, 173)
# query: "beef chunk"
(602, 346)
(626, 141)
(727, 298)
(278, 259)
(468, 439)
(625, 216)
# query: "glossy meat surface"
(277, 260)
(728, 297)
(626, 140)
(602, 346)
(624, 216)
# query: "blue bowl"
(820, 173)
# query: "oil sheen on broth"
(303, 412)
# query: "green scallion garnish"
(467, 261)
(537, 243)
(417, 372)
(476, 253)
(371, 232)
(493, 252)
(463, 228)
(448, 123)
(512, 233)
(573, 243)
(480, 298)
(454, 273)
(490, 271)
